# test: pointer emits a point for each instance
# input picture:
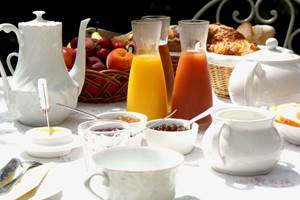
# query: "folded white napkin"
(29, 184)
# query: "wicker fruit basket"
(106, 86)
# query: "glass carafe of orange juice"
(165, 54)
(146, 86)
(192, 93)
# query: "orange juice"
(192, 92)
(146, 87)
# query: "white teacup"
(135, 173)
(242, 141)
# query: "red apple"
(90, 47)
(119, 59)
(92, 60)
(106, 43)
(73, 43)
(69, 57)
(118, 44)
(99, 66)
(102, 54)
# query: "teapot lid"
(272, 53)
(39, 21)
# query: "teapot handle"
(9, 63)
(241, 82)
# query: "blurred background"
(116, 15)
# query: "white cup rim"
(268, 115)
(179, 160)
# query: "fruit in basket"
(102, 54)
(106, 43)
(69, 57)
(90, 47)
(119, 59)
(73, 43)
(95, 63)
(118, 44)
(99, 66)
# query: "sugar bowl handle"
(105, 182)
(221, 130)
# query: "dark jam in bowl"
(170, 127)
(108, 129)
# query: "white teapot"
(266, 77)
(40, 56)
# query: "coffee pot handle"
(105, 182)
(11, 69)
(241, 82)
(221, 130)
(7, 28)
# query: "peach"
(119, 59)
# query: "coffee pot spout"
(77, 72)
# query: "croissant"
(227, 41)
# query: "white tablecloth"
(195, 179)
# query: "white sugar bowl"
(242, 141)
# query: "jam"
(170, 127)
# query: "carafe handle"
(11, 69)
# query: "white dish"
(46, 151)
(180, 141)
(134, 126)
(40, 135)
(290, 133)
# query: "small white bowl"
(290, 133)
(135, 126)
(180, 141)
(58, 136)
(136, 133)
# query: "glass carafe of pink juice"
(146, 86)
(165, 54)
(192, 93)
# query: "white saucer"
(51, 151)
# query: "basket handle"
(241, 82)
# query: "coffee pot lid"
(39, 21)
(272, 53)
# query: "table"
(195, 179)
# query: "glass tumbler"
(100, 135)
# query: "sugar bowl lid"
(272, 53)
(39, 21)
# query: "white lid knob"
(271, 43)
(39, 15)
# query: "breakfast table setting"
(195, 179)
(126, 117)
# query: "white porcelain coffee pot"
(266, 77)
(40, 56)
